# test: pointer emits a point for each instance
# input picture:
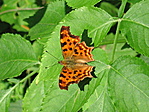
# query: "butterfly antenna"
(53, 56)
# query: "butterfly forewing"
(82, 53)
(68, 42)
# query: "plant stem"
(29, 75)
(115, 40)
(11, 89)
(15, 10)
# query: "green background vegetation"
(119, 31)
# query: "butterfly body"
(70, 62)
(76, 55)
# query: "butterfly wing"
(68, 42)
(70, 75)
(76, 55)
(82, 53)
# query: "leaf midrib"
(129, 82)
(19, 60)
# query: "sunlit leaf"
(16, 54)
(135, 26)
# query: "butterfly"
(75, 55)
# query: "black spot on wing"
(70, 43)
(60, 81)
(65, 50)
(74, 42)
(76, 51)
(70, 48)
(70, 72)
(79, 74)
(61, 75)
(80, 48)
(64, 71)
(75, 71)
(63, 36)
(63, 44)
(74, 77)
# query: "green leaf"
(100, 100)
(119, 51)
(48, 91)
(46, 87)
(4, 100)
(124, 88)
(81, 3)
(16, 106)
(134, 1)
(145, 58)
(16, 54)
(122, 7)
(14, 15)
(34, 97)
(53, 15)
(128, 84)
(135, 26)
(38, 49)
(110, 38)
(109, 8)
(84, 17)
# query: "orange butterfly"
(76, 55)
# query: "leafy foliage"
(129, 76)
(137, 20)
(80, 3)
(53, 15)
(12, 53)
(117, 30)
(15, 11)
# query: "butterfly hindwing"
(70, 75)
(66, 78)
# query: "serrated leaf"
(124, 88)
(81, 3)
(128, 84)
(61, 100)
(34, 97)
(53, 15)
(16, 54)
(100, 100)
(84, 17)
(135, 25)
